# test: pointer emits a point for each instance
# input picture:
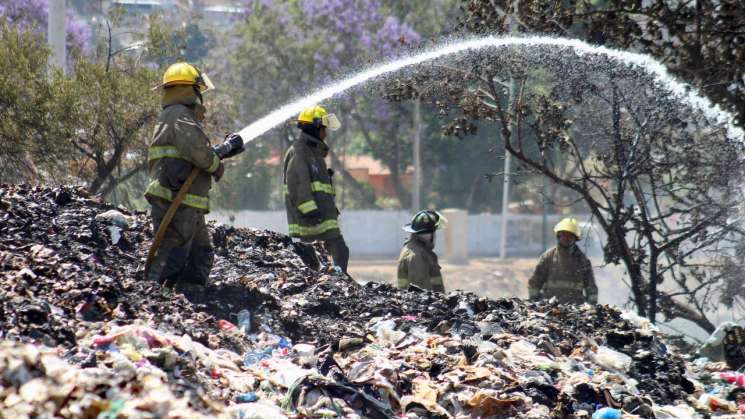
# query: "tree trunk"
(652, 295)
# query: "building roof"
(373, 166)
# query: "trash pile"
(83, 335)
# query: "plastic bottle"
(244, 321)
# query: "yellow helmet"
(570, 225)
(185, 74)
(317, 115)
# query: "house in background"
(364, 169)
(213, 11)
(367, 169)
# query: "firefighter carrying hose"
(309, 192)
(179, 154)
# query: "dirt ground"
(488, 277)
(495, 278)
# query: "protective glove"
(232, 146)
(219, 172)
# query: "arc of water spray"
(677, 89)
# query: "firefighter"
(417, 263)
(179, 144)
(309, 192)
(564, 271)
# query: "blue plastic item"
(247, 397)
(607, 413)
(284, 343)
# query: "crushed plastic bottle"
(244, 321)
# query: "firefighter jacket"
(418, 265)
(309, 193)
(178, 145)
(564, 273)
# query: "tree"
(314, 43)
(701, 41)
(114, 113)
(27, 122)
(30, 119)
(660, 178)
(32, 15)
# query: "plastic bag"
(612, 360)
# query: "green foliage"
(114, 112)
(28, 125)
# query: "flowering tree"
(32, 15)
(29, 120)
(285, 49)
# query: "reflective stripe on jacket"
(308, 189)
(418, 265)
(179, 143)
(565, 274)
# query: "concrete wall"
(377, 233)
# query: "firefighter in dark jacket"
(179, 144)
(417, 263)
(309, 192)
(564, 271)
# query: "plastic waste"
(284, 343)
(645, 326)
(252, 358)
(115, 217)
(525, 352)
(304, 349)
(717, 404)
(247, 397)
(607, 413)
(225, 325)
(613, 360)
(737, 378)
(257, 410)
(116, 234)
(244, 321)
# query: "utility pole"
(56, 32)
(416, 190)
(544, 218)
(506, 185)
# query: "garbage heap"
(83, 335)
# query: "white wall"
(374, 233)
